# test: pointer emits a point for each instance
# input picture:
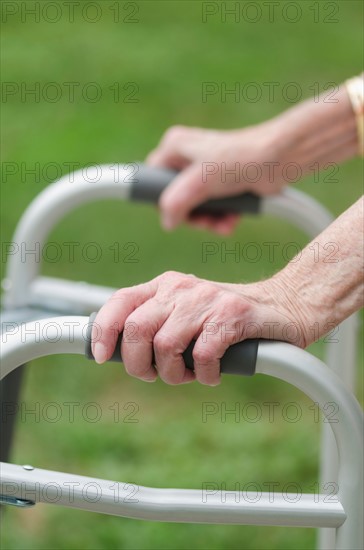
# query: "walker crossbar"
(130, 181)
(277, 359)
(26, 290)
(172, 505)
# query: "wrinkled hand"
(215, 164)
(163, 316)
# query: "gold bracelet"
(355, 88)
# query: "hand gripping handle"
(238, 359)
(148, 184)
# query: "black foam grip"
(149, 183)
(239, 359)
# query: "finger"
(171, 150)
(186, 191)
(111, 318)
(169, 343)
(176, 149)
(207, 353)
(137, 350)
(166, 158)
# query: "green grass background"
(169, 52)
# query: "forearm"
(323, 285)
(319, 132)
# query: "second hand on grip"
(148, 184)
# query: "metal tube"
(50, 336)
(207, 505)
(322, 385)
(11, 385)
(68, 297)
(24, 288)
(302, 210)
(104, 182)
(277, 359)
(48, 208)
(306, 213)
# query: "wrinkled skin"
(164, 315)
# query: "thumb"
(180, 197)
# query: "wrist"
(316, 131)
(276, 312)
(318, 289)
(312, 308)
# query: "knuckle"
(171, 274)
(178, 280)
(136, 329)
(208, 290)
(203, 355)
(119, 294)
(164, 344)
(175, 132)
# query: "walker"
(33, 302)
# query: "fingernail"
(149, 379)
(100, 353)
(188, 377)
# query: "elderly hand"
(215, 164)
(312, 135)
(163, 316)
(302, 302)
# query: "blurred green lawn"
(168, 53)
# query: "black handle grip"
(239, 359)
(149, 183)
